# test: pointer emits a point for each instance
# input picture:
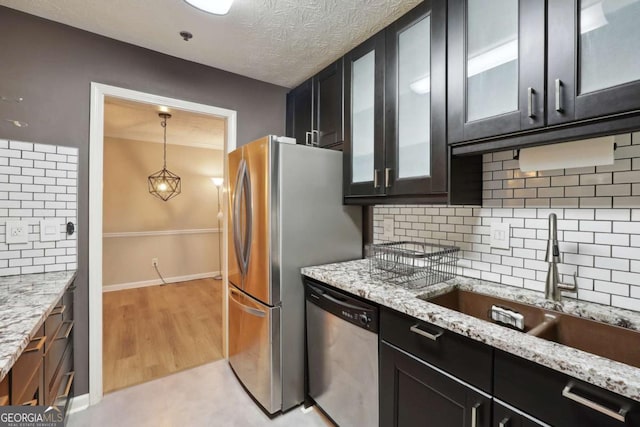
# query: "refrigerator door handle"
(246, 182)
(245, 308)
(237, 227)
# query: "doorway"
(162, 307)
(101, 93)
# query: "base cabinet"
(415, 393)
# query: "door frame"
(96, 158)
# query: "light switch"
(49, 230)
(500, 235)
(16, 232)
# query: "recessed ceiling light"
(217, 7)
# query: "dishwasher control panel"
(343, 305)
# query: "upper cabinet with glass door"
(496, 67)
(364, 113)
(594, 59)
(415, 96)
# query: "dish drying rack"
(413, 264)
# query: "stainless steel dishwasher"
(342, 351)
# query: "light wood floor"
(158, 330)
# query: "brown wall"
(52, 66)
(128, 207)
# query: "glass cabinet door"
(496, 67)
(364, 138)
(594, 65)
(416, 157)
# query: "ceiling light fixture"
(217, 7)
(165, 184)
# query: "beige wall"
(128, 207)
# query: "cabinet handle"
(504, 422)
(387, 182)
(530, 93)
(315, 142)
(474, 415)
(38, 346)
(559, 108)
(66, 334)
(33, 402)
(67, 388)
(375, 178)
(434, 337)
(307, 138)
(619, 415)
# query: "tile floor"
(209, 395)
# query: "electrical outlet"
(154, 262)
(16, 232)
(387, 229)
(500, 235)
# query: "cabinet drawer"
(55, 351)
(462, 357)
(59, 391)
(53, 322)
(26, 391)
(26, 373)
(558, 399)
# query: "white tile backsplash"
(38, 182)
(598, 225)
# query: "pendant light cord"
(164, 126)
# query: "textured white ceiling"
(140, 122)
(276, 41)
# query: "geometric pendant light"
(164, 184)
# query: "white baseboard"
(79, 403)
(155, 282)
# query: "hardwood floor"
(158, 330)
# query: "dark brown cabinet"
(593, 67)
(414, 393)
(315, 109)
(496, 71)
(395, 117)
(364, 119)
(531, 72)
(557, 399)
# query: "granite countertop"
(355, 278)
(25, 302)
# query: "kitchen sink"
(613, 342)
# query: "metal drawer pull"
(530, 112)
(58, 310)
(504, 423)
(620, 415)
(307, 138)
(386, 177)
(315, 142)
(434, 337)
(474, 415)
(66, 334)
(375, 178)
(67, 388)
(37, 347)
(559, 108)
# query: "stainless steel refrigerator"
(286, 212)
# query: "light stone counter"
(25, 302)
(355, 278)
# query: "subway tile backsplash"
(38, 182)
(598, 211)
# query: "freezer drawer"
(254, 348)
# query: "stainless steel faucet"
(553, 286)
